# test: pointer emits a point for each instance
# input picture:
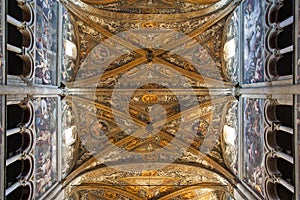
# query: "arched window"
(19, 64)
(279, 11)
(279, 140)
(285, 141)
(21, 192)
(276, 191)
(19, 11)
(18, 143)
(18, 170)
(18, 37)
(19, 114)
(285, 11)
(280, 114)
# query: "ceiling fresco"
(148, 98)
(181, 180)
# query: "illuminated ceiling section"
(149, 91)
(175, 180)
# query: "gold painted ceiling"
(149, 96)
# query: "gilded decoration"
(152, 99)
(230, 49)
(153, 6)
(70, 48)
(70, 138)
(166, 183)
(229, 139)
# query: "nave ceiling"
(149, 95)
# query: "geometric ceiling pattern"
(150, 93)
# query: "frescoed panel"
(230, 138)
(69, 50)
(231, 47)
(70, 140)
(46, 42)
(46, 143)
(253, 40)
(253, 130)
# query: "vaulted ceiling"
(150, 94)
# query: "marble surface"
(46, 142)
(253, 130)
